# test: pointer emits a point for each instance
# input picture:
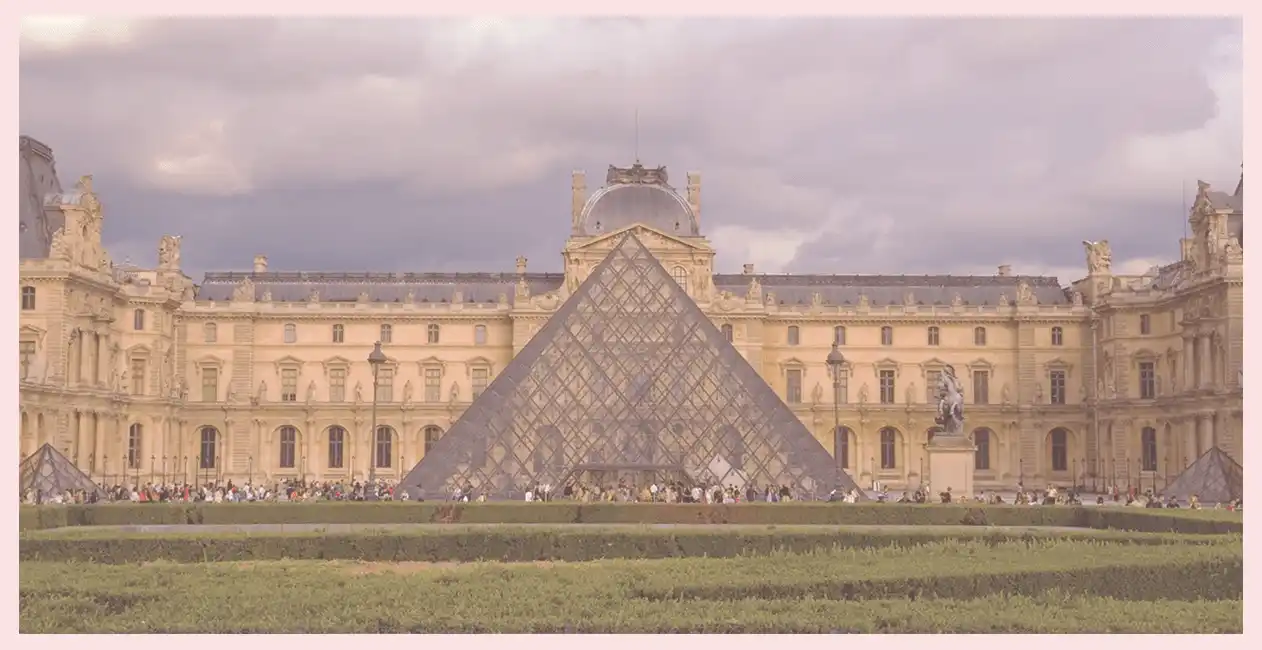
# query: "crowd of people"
(622, 492)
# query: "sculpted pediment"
(650, 237)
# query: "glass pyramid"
(1215, 477)
(51, 473)
(628, 381)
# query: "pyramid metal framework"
(51, 473)
(628, 379)
(1215, 477)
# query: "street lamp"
(375, 359)
(835, 361)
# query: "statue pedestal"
(951, 462)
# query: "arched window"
(841, 447)
(339, 333)
(727, 332)
(387, 334)
(291, 333)
(935, 335)
(431, 434)
(337, 444)
(887, 335)
(134, 433)
(479, 334)
(1148, 445)
(680, 275)
(981, 440)
(431, 333)
(210, 332)
(889, 448)
(288, 447)
(383, 446)
(208, 459)
(1058, 336)
(138, 320)
(1060, 450)
(839, 335)
(979, 336)
(28, 298)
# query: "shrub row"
(972, 570)
(1143, 520)
(517, 544)
(1218, 577)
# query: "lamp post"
(836, 361)
(375, 359)
(251, 479)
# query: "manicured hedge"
(1214, 579)
(627, 596)
(1186, 521)
(519, 544)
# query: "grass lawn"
(1035, 585)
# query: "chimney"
(260, 264)
(1005, 270)
(749, 269)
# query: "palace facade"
(263, 374)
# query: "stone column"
(1207, 362)
(1204, 432)
(99, 446)
(98, 362)
(308, 448)
(1188, 357)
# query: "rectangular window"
(289, 385)
(793, 336)
(387, 334)
(26, 352)
(291, 333)
(793, 386)
(337, 385)
(981, 386)
(433, 385)
(479, 381)
(385, 384)
(1058, 386)
(210, 384)
(932, 378)
(339, 333)
(887, 386)
(1145, 324)
(1147, 380)
(210, 333)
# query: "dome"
(638, 195)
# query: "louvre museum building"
(638, 359)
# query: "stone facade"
(264, 374)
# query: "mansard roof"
(487, 287)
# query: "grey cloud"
(440, 144)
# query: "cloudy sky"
(825, 145)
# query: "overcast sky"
(825, 145)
